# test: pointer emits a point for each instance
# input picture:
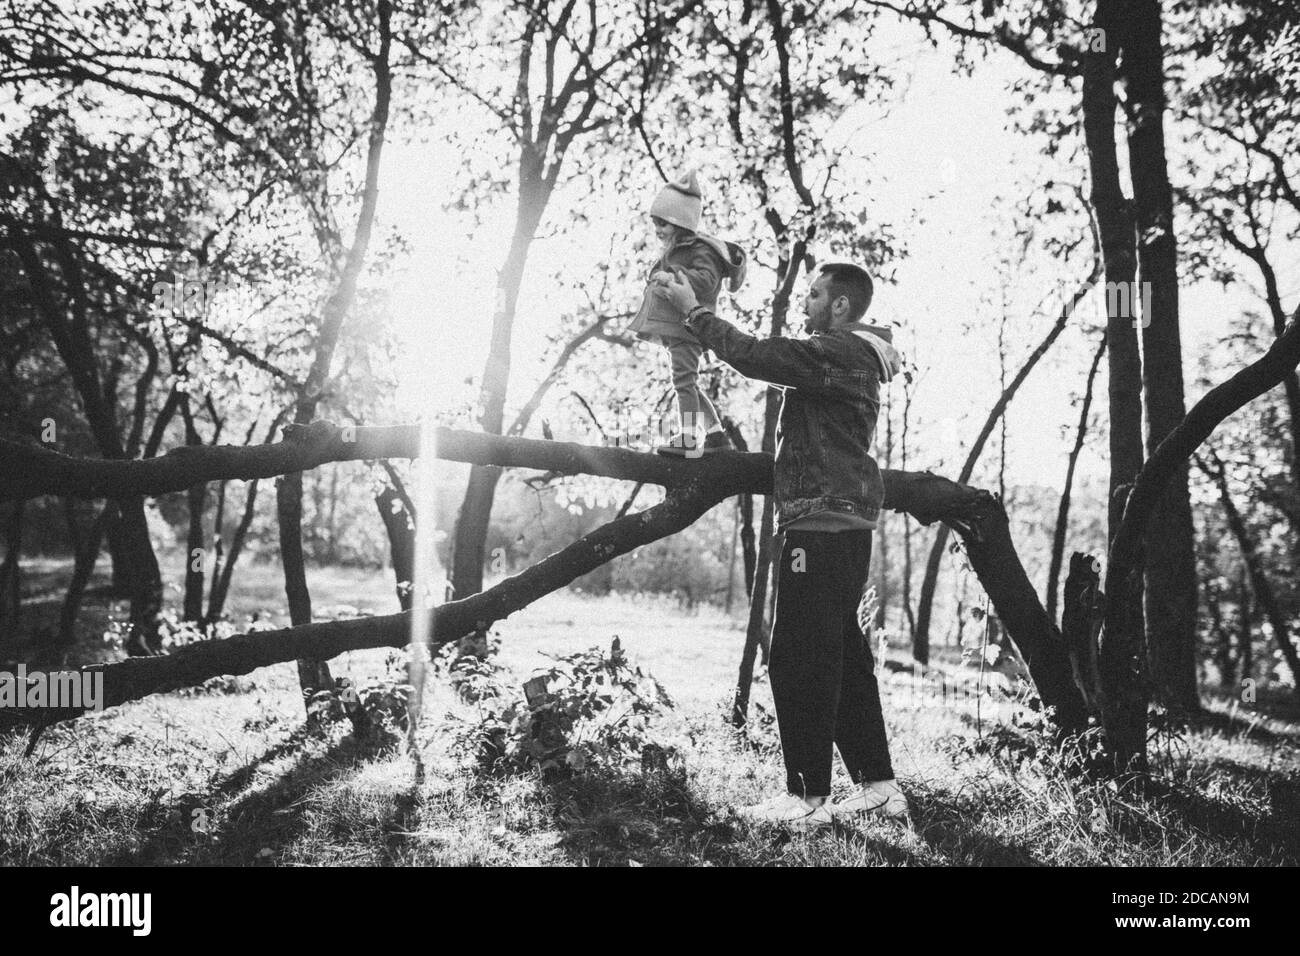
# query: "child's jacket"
(704, 261)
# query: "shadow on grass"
(268, 818)
(1272, 833)
(955, 836)
(608, 817)
(1251, 724)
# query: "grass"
(227, 775)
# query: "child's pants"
(821, 668)
(693, 405)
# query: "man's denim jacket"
(831, 384)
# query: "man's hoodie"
(881, 341)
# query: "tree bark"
(11, 580)
(1121, 651)
(543, 145)
(133, 553)
(1081, 620)
(399, 522)
(756, 633)
(754, 622)
(1171, 587)
(749, 556)
(992, 555)
(470, 537)
(314, 675)
(908, 614)
(692, 492)
(1121, 655)
(1063, 509)
(1245, 645)
(195, 544)
(220, 589)
(83, 566)
(119, 562)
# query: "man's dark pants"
(821, 668)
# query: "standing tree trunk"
(119, 565)
(1171, 588)
(539, 123)
(223, 568)
(220, 589)
(83, 567)
(1063, 509)
(11, 580)
(1245, 643)
(1223, 647)
(470, 541)
(755, 631)
(746, 504)
(195, 554)
(195, 544)
(882, 542)
(1121, 655)
(314, 675)
(398, 514)
(907, 525)
(145, 576)
(66, 313)
(1124, 707)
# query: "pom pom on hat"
(679, 202)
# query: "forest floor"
(226, 774)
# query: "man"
(828, 493)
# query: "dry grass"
(130, 785)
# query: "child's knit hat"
(679, 203)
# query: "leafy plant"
(384, 702)
(589, 707)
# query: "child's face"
(665, 231)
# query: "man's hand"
(677, 291)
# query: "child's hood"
(732, 255)
(881, 341)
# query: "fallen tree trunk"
(693, 488)
(31, 471)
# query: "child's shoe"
(689, 446)
(681, 445)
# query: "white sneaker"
(789, 810)
(882, 798)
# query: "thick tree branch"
(693, 488)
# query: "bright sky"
(946, 167)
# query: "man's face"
(817, 306)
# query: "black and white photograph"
(650, 433)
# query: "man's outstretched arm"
(794, 363)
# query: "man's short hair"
(846, 279)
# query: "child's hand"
(677, 291)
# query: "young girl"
(704, 261)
